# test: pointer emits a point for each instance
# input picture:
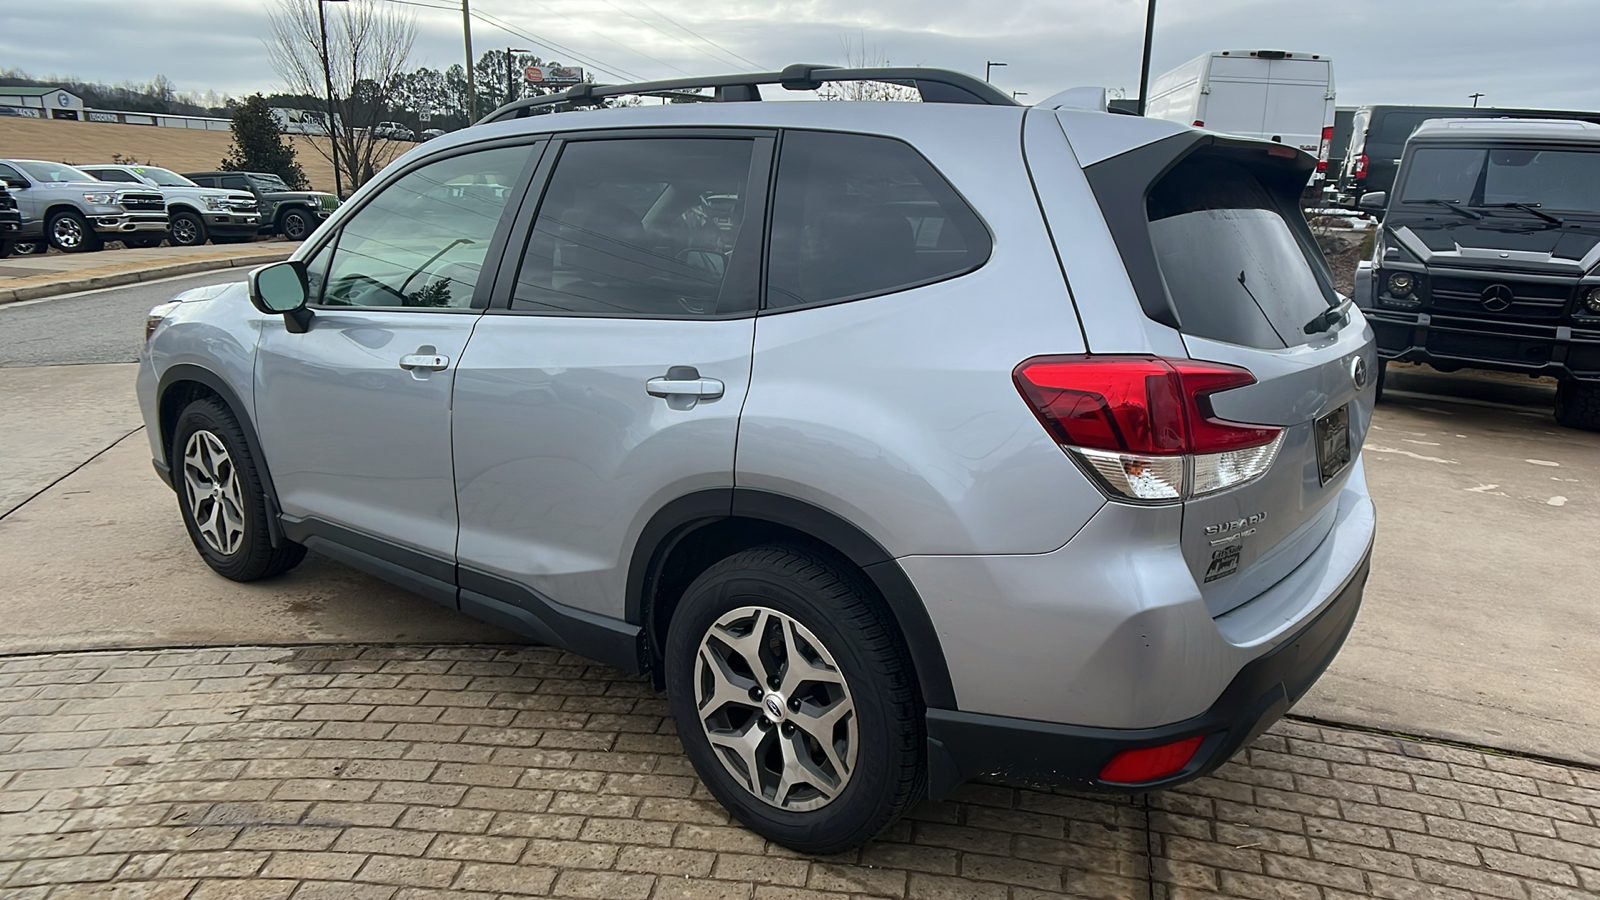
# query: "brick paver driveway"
(351, 772)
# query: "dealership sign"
(554, 75)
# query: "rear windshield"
(1235, 268)
(1567, 180)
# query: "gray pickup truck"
(284, 210)
(73, 211)
(197, 213)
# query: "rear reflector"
(1150, 763)
(1144, 425)
(1325, 149)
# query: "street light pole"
(511, 90)
(472, 81)
(327, 82)
(1144, 69)
(988, 67)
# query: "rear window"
(1235, 267)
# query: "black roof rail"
(934, 85)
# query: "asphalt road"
(102, 326)
(1478, 622)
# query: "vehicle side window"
(10, 174)
(112, 175)
(420, 243)
(856, 216)
(203, 181)
(235, 181)
(641, 227)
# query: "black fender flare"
(185, 372)
(681, 517)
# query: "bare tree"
(857, 55)
(364, 57)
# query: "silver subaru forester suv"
(899, 443)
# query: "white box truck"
(1274, 95)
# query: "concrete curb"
(73, 285)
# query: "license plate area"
(1333, 443)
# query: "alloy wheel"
(68, 233)
(184, 232)
(294, 227)
(211, 487)
(776, 708)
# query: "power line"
(552, 45)
(649, 24)
(613, 40)
(752, 63)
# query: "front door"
(354, 414)
(609, 382)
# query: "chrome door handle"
(699, 388)
(430, 361)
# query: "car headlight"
(156, 315)
(216, 203)
(1402, 283)
(101, 199)
(1592, 300)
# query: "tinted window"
(1478, 176)
(1442, 173)
(855, 216)
(420, 243)
(1395, 128)
(1234, 266)
(204, 181)
(642, 227)
(113, 175)
(235, 181)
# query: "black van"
(1379, 133)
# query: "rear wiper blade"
(1450, 203)
(1329, 317)
(1530, 207)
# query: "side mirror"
(1374, 201)
(17, 183)
(281, 289)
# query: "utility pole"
(1144, 69)
(1475, 99)
(472, 81)
(327, 82)
(988, 67)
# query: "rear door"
(1237, 98)
(1246, 279)
(1297, 102)
(609, 378)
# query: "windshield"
(1552, 179)
(164, 177)
(268, 182)
(47, 172)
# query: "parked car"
(1378, 134)
(429, 134)
(1489, 255)
(10, 221)
(196, 213)
(981, 521)
(1343, 118)
(283, 210)
(75, 212)
(393, 131)
(1273, 95)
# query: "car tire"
(187, 230)
(34, 247)
(296, 224)
(1578, 404)
(785, 606)
(143, 241)
(68, 231)
(221, 498)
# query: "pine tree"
(258, 144)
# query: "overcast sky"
(1529, 53)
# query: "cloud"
(1537, 53)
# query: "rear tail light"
(1361, 166)
(1199, 123)
(1150, 763)
(1143, 426)
(1327, 146)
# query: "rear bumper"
(1448, 342)
(964, 745)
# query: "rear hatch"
(1218, 250)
